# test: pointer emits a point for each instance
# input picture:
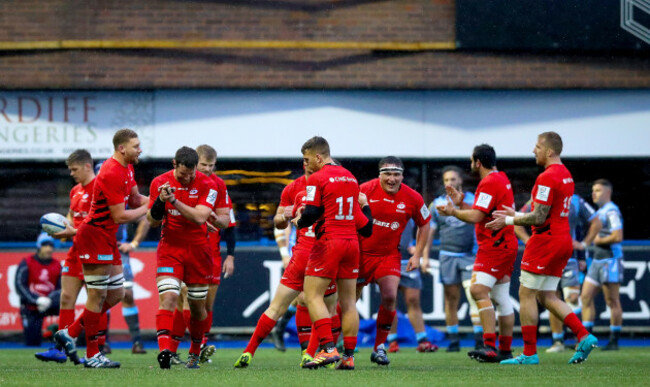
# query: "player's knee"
(198, 293)
(67, 300)
(169, 290)
(501, 296)
(478, 292)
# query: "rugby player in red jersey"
(331, 201)
(80, 164)
(291, 284)
(393, 204)
(96, 245)
(182, 201)
(497, 251)
(547, 250)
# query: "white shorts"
(539, 282)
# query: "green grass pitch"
(627, 367)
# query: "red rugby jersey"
(293, 195)
(80, 199)
(390, 215)
(554, 187)
(223, 201)
(200, 191)
(336, 190)
(113, 185)
(493, 192)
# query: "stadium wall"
(29, 66)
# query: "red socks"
(324, 330)
(505, 343)
(178, 330)
(490, 339)
(264, 326)
(336, 327)
(164, 325)
(529, 332)
(91, 322)
(573, 322)
(303, 324)
(66, 318)
(103, 326)
(349, 344)
(313, 342)
(74, 329)
(206, 328)
(384, 322)
(197, 330)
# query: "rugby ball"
(52, 222)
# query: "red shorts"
(373, 267)
(547, 254)
(497, 263)
(334, 258)
(189, 262)
(294, 275)
(94, 245)
(216, 261)
(72, 265)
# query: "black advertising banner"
(243, 298)
(553, 24)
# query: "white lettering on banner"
(8, 318)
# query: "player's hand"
(499, 216)
(582, 265)
(125, 248)
(424, 265)
(43, 303)
(363, 199)
(454, 195)
(288, 212)
(578, 245)
(212, 219)
(448, 209)
(228, 266)
(414, 263)
(69, 232)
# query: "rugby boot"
(393, 347)
(522, 360)
(193, 361)
(454, 346)
(206, 352)
(583, 349)
(176, 359)
(138, 349)
(324, 358)
(487, 354)
(100, 361)
(164, 359)
(347, 363)
(426, 346)
(244, 360)
(65, 341)
(557, 346)
(306, 358)
(52, 354)
(503, 355)
(379, 357)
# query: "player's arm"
(508, 217)
(366, 230)
(136, 199)
(615, 237)
(140, 234)
(219, 218)
(426, 253)
(120, 214)
(21, 284)
(421, 239)
(228, 266)
(308, 216)
(282, 239)
(282, 217)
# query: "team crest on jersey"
(194, 191)
(484, 200)
(212, 196)
(401, 206)
(394, 226)
(542, 193)
(311, 192)
(424, 211)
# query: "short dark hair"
(186, 156)
(553, 141)
(79, 156)
(206, 151)
(316, 144)
(486, 155)
(604, 183)
(391, 160)
(452, 168)
(123, 136)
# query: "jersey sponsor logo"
(424, 211)
(484, 200)
(342, 179)
(389, 201)
(311, 192)
(567, 180)
(542, 193)
(212, 196)
(383, 224)
(373, 200)
(84, 256)
(394, 226)
(165, 270)
(105, 257)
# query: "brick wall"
(342, 20)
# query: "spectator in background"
(38, 282)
